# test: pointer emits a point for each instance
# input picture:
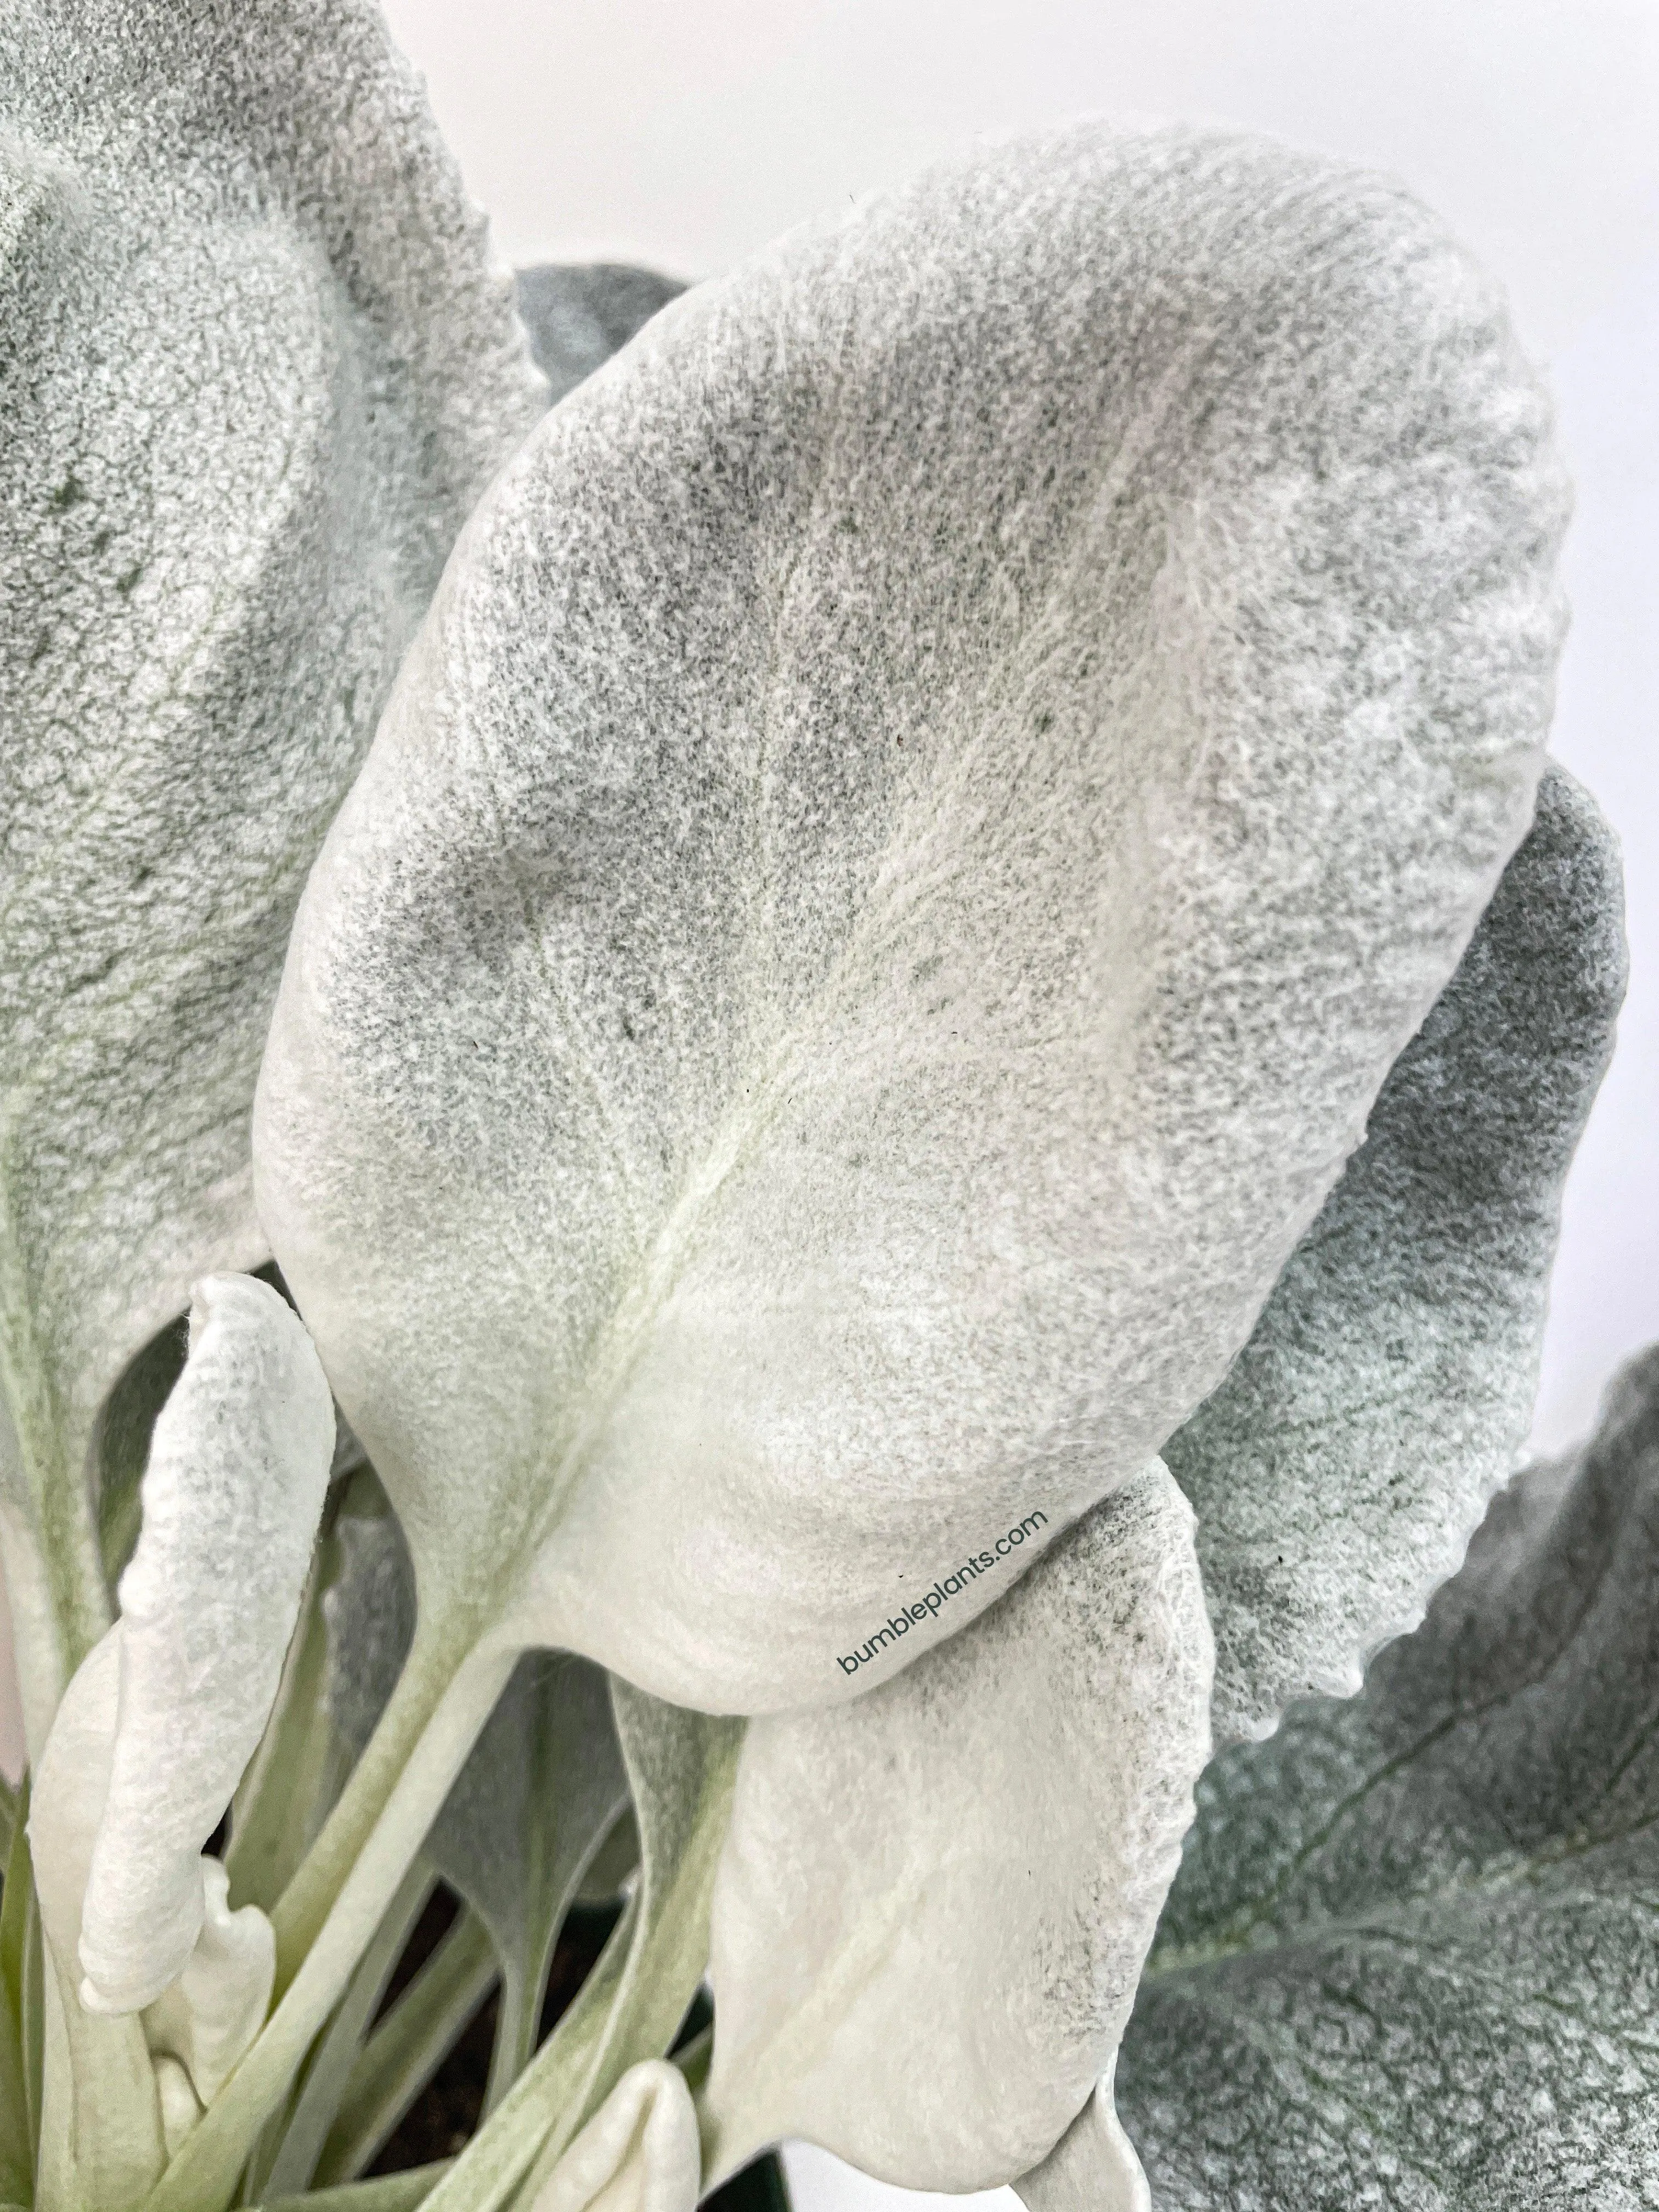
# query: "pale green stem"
(203, 2177)
(409, 2045)
(435, 1662)
(516, 2023)
(390, 2192)
(33, 1986)
(331, 2063)
(20, 1961)
(546, 2101)
(59, 1607)
(101, 2145)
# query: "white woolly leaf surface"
(70, 1788)
(932, 792)
(1094, 2167)
(237, 1473)
(933, 1903)
(257, 368)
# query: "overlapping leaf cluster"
(912, 1121)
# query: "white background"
(686, 136)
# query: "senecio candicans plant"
(855, 1056)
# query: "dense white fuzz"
(237, 1471)
(933, 1903)
(70, 1790)
(639, 2152)
(934, 789)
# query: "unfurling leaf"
(639, 2152)
(162, 1718)
(1389, 1385)
(934, 1902)
(1411, 1958)
(207, 2019)
(237, 1471)
(932, 795)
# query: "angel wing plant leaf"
(257, 368)
(1388, 1386)
(1410, 1954)
(962, 1871)
(931, 793)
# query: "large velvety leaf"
(1411, 1958)
(934, 790)
(254, 369)
(934, 1903)
(1389, 1385)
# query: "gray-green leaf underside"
(578, 314)
(543, 1789)
(1388, 1384)
(1411, 1960)
(255, 368)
